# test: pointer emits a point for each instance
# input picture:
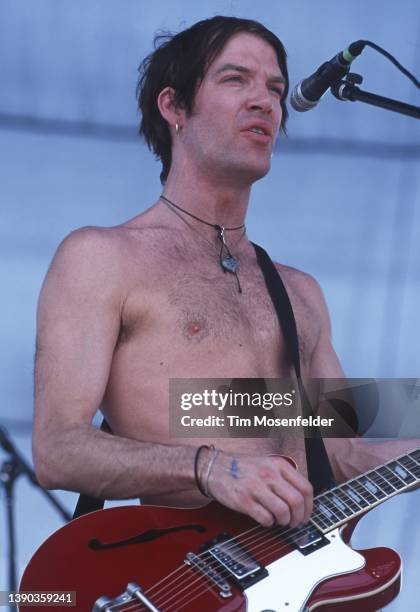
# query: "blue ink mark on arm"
(234, 469)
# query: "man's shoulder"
(92, 256)
(303, 289)
(91, 238)
(299, 281)
(95, 244)
(108, 242)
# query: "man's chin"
(245, 171)
(251, 173)
(258, 172)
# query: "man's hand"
(266, 488)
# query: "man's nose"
(260, 99)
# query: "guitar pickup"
(308, 538)
(242, 567)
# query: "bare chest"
(207, 305)
(187, 303)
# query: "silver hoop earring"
(177, 127)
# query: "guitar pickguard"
(292, 578)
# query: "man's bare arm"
(78, 324)
(349, 456)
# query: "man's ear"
(169, 111)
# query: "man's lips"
(260, 132)
(259, 127)
(257, 136)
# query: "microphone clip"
(343, 88)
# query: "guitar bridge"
(209, 573)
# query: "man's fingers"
(304, 487)
(268, 491)
(277, 506)
(292, 498)
(263, 516)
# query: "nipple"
(194, 328)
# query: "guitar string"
(393, 476)
(187, 599)
(262, 558)
(203, 584)
(200, 579)
(171, 595)
(239, 539)
(178, 601)
(265, 556)
(178, 604)
(315, 517)
(209, 587)
(202, 555)
(183, 567)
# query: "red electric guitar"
(139, 559)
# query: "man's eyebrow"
(238, 68)
(235, 67)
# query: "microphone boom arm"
(347, 89)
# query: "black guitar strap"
(85, 503)
(319, 468)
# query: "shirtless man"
(124, 309)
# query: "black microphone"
(308, 92)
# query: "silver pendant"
(230, 264)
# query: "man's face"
(237, 114)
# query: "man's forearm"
(87, 460)
(353, 456)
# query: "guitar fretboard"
(356, 496)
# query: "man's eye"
(278, 91)
(234, 78)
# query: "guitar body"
(330, 579)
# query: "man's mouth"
(260, 134)
(258, 131)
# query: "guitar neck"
(346, 501)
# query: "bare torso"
(182, 317)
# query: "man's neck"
(212, 200)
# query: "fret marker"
(370, 486)
(339, 503)
(353, 495)
(401, 472)
(325, 511)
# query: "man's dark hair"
(180, 61)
